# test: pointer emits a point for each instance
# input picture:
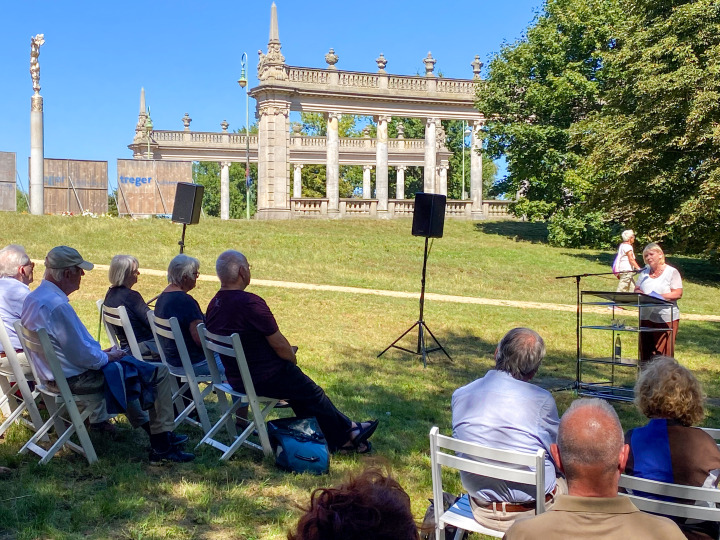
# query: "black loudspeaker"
(188, 202)
(429, 215)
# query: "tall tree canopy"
(608, 113)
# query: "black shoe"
(176, 439)
(173, 455)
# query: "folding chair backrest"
(639, 490)
(713, 432)
(39, 343)
(28, 354)
(170, 329)
(501, 464)
(228, 346)
(114, 318)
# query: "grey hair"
(520, 353)
(56, 274)
(228, 265)
(11, 258)
(593, 442)
(121, 267)
(180, 267)
(626, 235)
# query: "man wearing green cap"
(82, 358)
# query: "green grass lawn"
(339, 336)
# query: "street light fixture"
(148, 131)
(242, 81)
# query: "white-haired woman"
(625, 263)
(123, 275)
(175, 301)
(663, 281)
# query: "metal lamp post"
(148, 131)
(242, 81)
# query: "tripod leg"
(405, 333)
(436, 341)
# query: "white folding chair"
(500, 464)
(260, 406)
(118, 318)
(8, 400)
(699, 503)
(170, 329)
(64, 414)
(714, 433)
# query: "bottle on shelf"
(617, 352)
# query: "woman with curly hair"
(668, 449)
(372, 505)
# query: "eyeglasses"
(30, 264)
(196, 274)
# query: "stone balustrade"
(496, 209)
(354, 208)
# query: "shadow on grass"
(524, 231)
(699, 271)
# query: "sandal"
(363, 434)
(363, 447)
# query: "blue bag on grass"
(299, 445)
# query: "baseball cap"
(66, 257)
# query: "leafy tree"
(458, 143)
(654, 148)
(537, 88)
(21, 203)
(207, 173)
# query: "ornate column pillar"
(400, 184)
(224, 190)
(430, 155)
(37, 143)
(297, 181)
(476, 172)
(381, 159)
(442, 179)
(273, 152)
(332, 190)
(367, 192)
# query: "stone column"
(37, 156)
(400, 184)
(332, 190)
(476, 172)
(442, 179)
(381, 159)
(367, 192)
(224, 190)
(430, 155)
(273, 151)
(297, 181)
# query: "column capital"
(225, 163)
(479, 123)
(298, 165)
(382, 118)
(401, 167)
(368, 167)
(273, 110)
(431, 121)
(334, 115)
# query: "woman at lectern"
(660, 280)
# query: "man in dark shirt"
(271, 359)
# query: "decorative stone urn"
(331, 58)
(381, 63)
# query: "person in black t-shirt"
(175, 301)
(123, 274)
(271, 359)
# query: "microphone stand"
(577, 278)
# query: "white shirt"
(669, 280)
(622, 261)
(12, 296)
(504, 413)
(48, 307)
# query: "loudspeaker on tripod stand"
(188, 202)
(429, 215)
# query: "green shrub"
(576, 228)
(532, 210)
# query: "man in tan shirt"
(591, 453)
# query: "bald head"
(590, 442)
(231, 264)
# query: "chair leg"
(262, 427)
(7, 403)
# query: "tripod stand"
(422, 349)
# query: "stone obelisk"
(37, 144)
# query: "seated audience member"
(175, 301)
(503, 410)
(82, 358)
(271, 359)
(668, 449)
(123, 274)
(591, 453)
(371, 505)
(16, 273)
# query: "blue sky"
(97, 55)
